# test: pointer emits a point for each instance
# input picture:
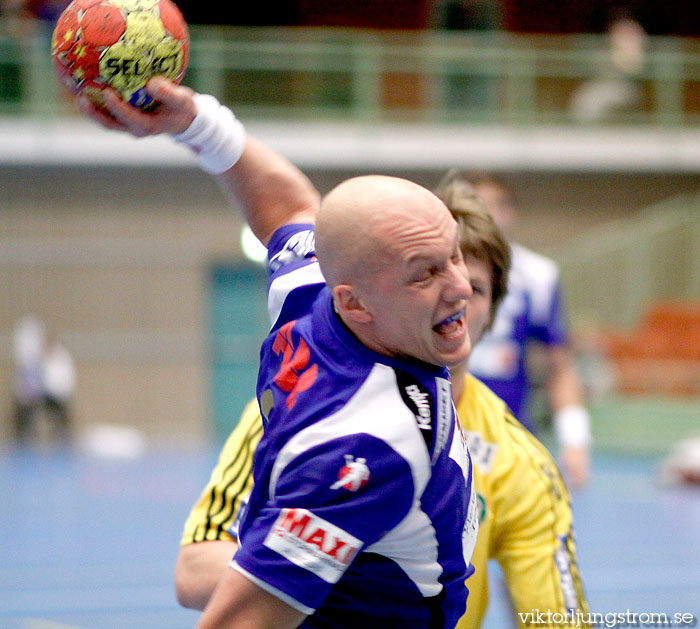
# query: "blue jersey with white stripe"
(362, 512)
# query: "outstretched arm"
(265, 186)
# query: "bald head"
(360, 218)
(389, 251)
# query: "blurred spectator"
(44, 381)
(28, 390)
(59, 385)
(619, 86)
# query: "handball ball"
(120, 44)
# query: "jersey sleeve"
(216, 513)
(295, 277)
(325, 506)
(533, 538)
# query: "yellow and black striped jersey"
(215, 515)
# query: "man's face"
(418, 300)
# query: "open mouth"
(452, 325)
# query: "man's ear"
(349, 305)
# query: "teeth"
(446, 322)
(454, 317)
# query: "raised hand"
(174, 111)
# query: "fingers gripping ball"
(120, 44)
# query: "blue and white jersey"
(531, 311)
(363, 512)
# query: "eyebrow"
(420, 260)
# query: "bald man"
(363, 512)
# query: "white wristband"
(573, 426)
(216, 136)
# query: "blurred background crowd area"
(502, 61)
(131, 260)
(532, 16)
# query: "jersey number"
(295, 374)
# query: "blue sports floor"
(91, 543)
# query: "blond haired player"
(533, 314)
(526, 520)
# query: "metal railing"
(424, 76)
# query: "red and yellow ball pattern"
(121, 44)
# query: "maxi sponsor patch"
(312, 543)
